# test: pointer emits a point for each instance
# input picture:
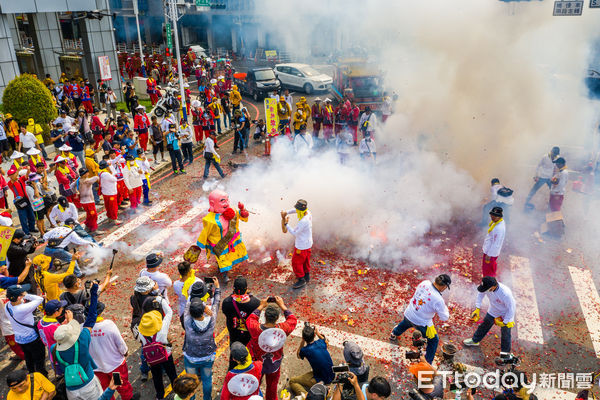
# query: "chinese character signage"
(272, 119)
(203, 3)
(169, 35)
(594, 3)
(567, 8)
(6, 234)
(104, 64)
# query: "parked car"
(257, 82)
(302, 76)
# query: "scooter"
(168, 102)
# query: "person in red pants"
(86, 197)
(141, 123)
(303, 242)
(152, 89)
(268, 339)
(132, 175)
(492, 244)
(108, 188)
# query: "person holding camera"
(109, 351)
(74, 294)
(20, 247)
(199, 348)
(430, 385)
(377, 389)
(423, 306)
(315, 351)
(172, 140)
(20, 311)
(501, 313)
(269, 338)
(48, 282)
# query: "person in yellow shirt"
(305, 108)
(47, 281)
(37, 130)
(299, 118)
(19, 384)
(284, 111)
(12, 130)
(235, 98)
(49, 82)
(217, 110)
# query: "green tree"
(26, 97)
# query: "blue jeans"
(218, 123)
(188, 152)
(63, 255)
(144, 367)
(238, 142)
(176, 159)
(484, 328)
(146, 191)
(536, 186)
(27, 219)
(204, 371)
(207, 167)
(432, 344)
(95, 192)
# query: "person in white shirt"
(108, 187)
(386, 108)
(423, 306)
(19, 311)
(144, 166)
(303, 241)
(302, 142)
(163, 281)
(500, 196)
(559, 184)
(543, 174)
(343, 144)
(109, 352)
(62, 211)
(501, 312)
(166, 121)
(133, 175)
(65, 120)
(367, 148)
(64, 236)
(27, 140)
(492, 243)
(368, 122)
(211, 156)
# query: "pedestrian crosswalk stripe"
(165, 233)
(528, 321)
(589, 300)
(135, 223)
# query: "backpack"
(74, 373)
(154, 352)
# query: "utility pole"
(173, 14)
(136, 11)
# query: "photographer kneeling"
(377, 389)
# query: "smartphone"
(208, 279)
(117, 378)
(271, 299)
(340, 368)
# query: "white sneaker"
(470, 343)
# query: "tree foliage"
(27, 97)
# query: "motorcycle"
(168, 102)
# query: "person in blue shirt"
(7, 281)
(120, 133)
(172, 139)
(315, 351)
(77, 144)
(57, 136)
(129, 144)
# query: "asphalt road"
(359, 302)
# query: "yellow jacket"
(298, 120)
(284, 110)
(36, 129)
(305, 110)
(212, 232)
(92, 166)
(216, 108)
(235, 97)
(51, 281)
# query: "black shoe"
(147, 203)
(300, 283)
(34, 230)
(144, 376)
(307, 277)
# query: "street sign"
(203, 3)
(567, 8)
(594, 3)
(169, 35)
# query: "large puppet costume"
(220, 233)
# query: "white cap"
(59, 159)
(33, 151)
(65, 147)
(16, 154)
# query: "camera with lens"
(210, 285)
(88, 284)
(29, 243)
(512, 361)
(418, 342)
(341, 373)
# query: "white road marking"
(165, 233)
(529, 323)
(393, 353)
(135, 223)
(589, 301)
(284, 271)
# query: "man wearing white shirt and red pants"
(423, 306)
(492, 244)
(559, 184)
(108, 350)
(501, 312)
(303, 242)
(108, 187)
